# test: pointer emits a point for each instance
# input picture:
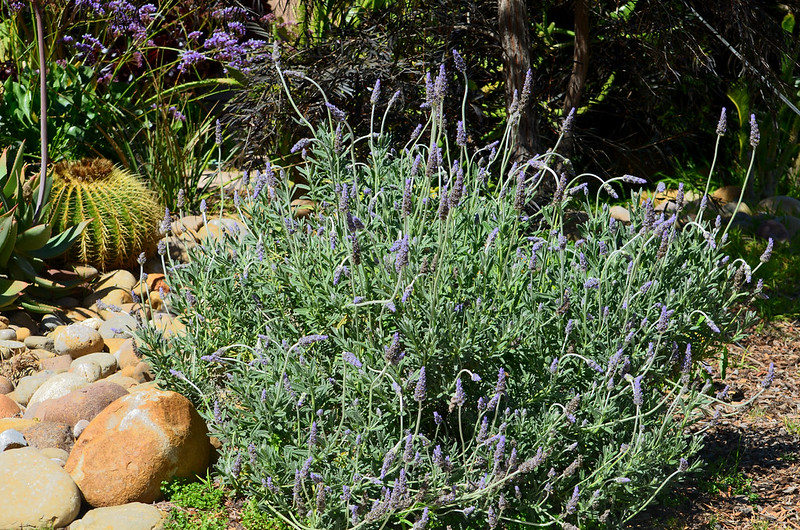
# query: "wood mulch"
(752, 477)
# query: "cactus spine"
(124, 213)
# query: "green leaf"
(8, 236)
(10, 290)
(34, 237)
(788, 23)
(59, 244)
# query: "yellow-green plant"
(122, 212)
(25, 242)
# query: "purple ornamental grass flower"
(722, 125)
(419, 390)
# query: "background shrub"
(427, 347)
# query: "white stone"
(57, 386)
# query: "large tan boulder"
(137, 442)
(36, 491)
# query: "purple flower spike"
(722, 126)
(459, 62)
(755, 135)
(419, 391)
(767, 382)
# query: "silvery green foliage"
(423, 347)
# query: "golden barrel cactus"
(125, 213)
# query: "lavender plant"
(432, 345)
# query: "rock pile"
(84, 429)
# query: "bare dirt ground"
(752, 478)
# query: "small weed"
(757, 412)
(789, 457)
(791, 426)
(254, 517)
(760, 525)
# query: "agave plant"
(25, 242)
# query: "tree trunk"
(516, 43)
(580, 69)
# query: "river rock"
(28, 385)
(119, 326)
(8, 407)
(137, 442)
(127, 355)
(774, 229)
(56, 364)
(82, 404)
(88, 370)
(50, 434)
(119, 279)
(78, 340)
(124, 381)
(133, 516)
(780, 204)
(727, 194)
(37, 342)
(57, 386)
(12, 439)
(8, 334)
(59, 456)
(6, 385)
(106, 362)
(36, 492)
(620, 214)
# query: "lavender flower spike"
(722, 126)
(337, 113)
(419, 391)
(376, 93)
(765, 257)
(310, 339)
(767, 382)
(755, 136)
(459, 62)
(572, 505)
